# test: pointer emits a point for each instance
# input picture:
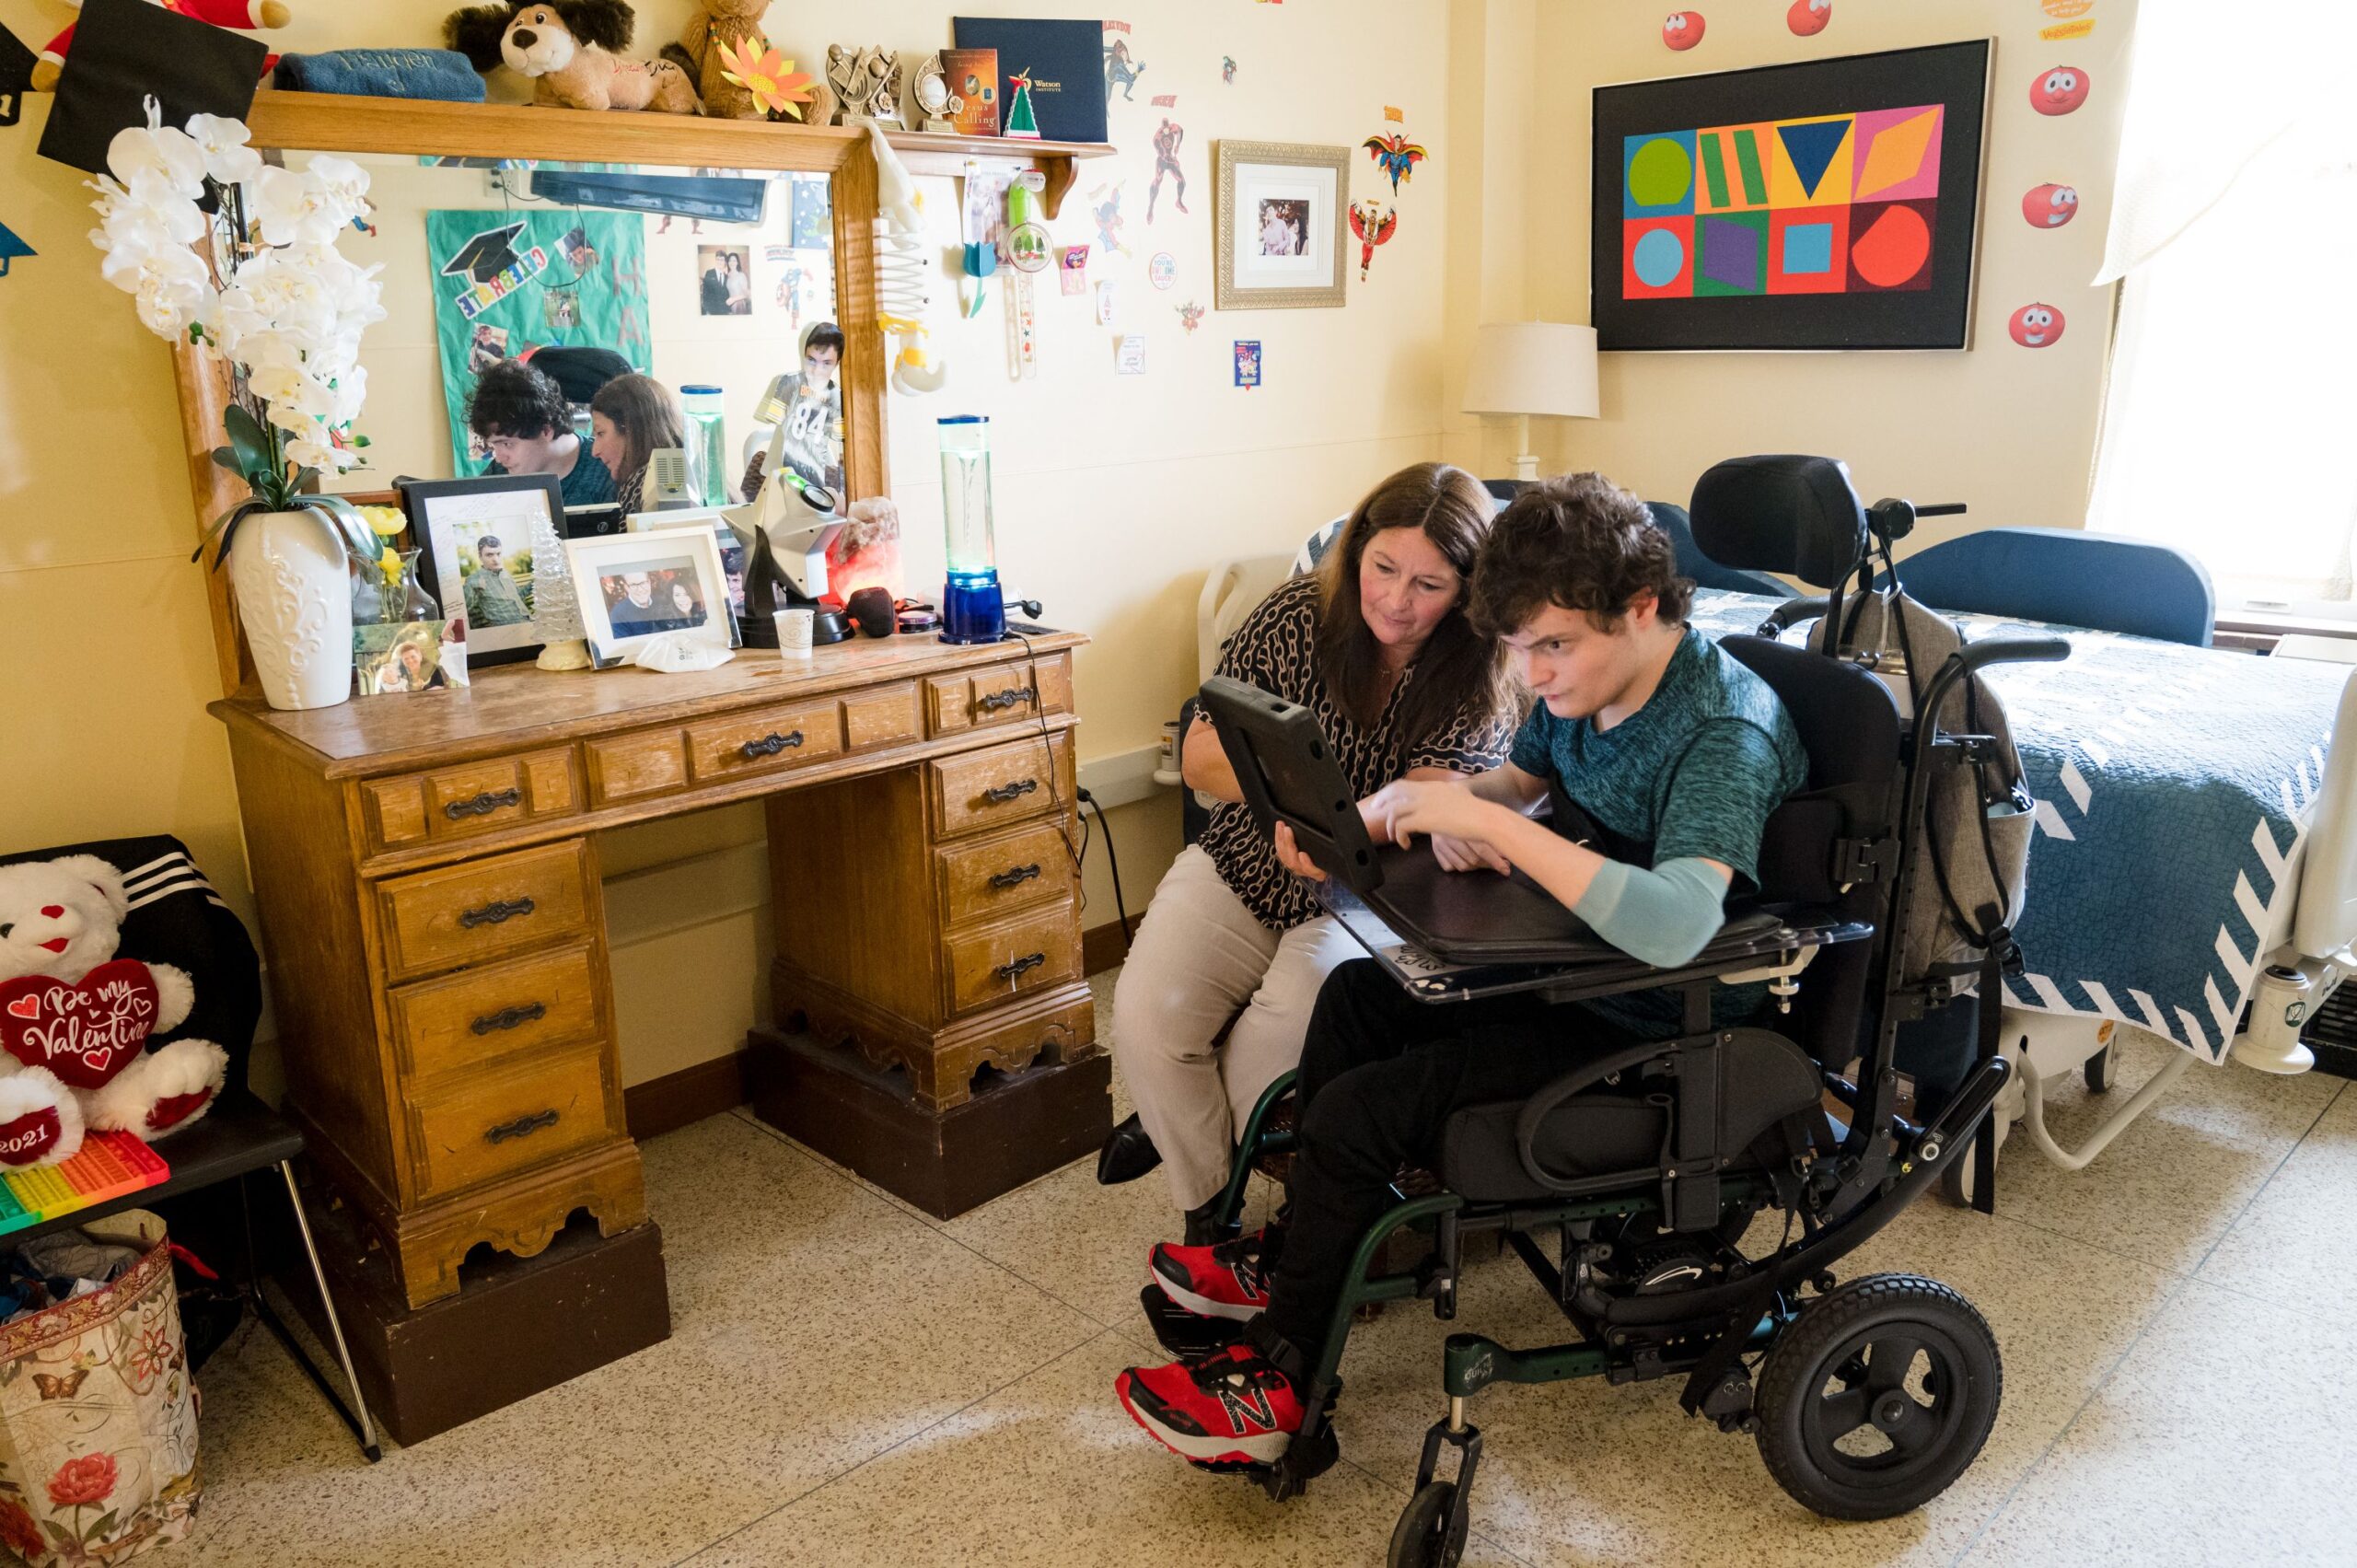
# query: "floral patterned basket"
(97, 1422)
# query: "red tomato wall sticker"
(2036, 325)
(2050, 205)
(2058, 91)
(1682, 30)
(1808, 17)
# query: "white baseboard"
(1122, 778)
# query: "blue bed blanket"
(2175, 787)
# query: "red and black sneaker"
(1232, 1407)
(1224, 1280)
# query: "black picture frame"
(432, 527)
(1935, 314)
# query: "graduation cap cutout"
(485, 256)
(16, 76)
(127, 51)
(10, 249)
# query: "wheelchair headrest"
(1787, 513)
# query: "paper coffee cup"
(794, 627)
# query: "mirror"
(512, 288)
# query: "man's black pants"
(1380, 1072)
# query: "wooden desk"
(435, 932)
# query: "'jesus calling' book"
(1063, 60)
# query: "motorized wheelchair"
(1647, 1164)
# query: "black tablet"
(1288, 775)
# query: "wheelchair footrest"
(1185, 1333)
(1310, 1454)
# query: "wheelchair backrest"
(1849, 726)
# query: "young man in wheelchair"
(1664, 757)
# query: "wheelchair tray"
(1587, 967)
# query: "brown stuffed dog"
(718, 22)
(567, 47)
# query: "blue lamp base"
(973, 609)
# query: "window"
(2231, 404)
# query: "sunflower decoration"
(777, 88)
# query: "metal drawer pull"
(769, 745)
(496, 912)
(1015, 876)
(482, 805)
(1006, 697)
(523, 1126)
(1021, 965)
(511, 1017)
(1001, 794)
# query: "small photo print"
(1247, 363)
(1285, 225)
(403, 656)
(653, 593)
(725, 280)
(486, 348)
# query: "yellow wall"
(1113, 494)
(2009, 430)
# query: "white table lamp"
(1532, 367)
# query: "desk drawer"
(480, 797)
(521, 1007)
(506, 1120)
(632, 767)
(1012, 871)
(1000, 693)
(1008, 959)
(485, 909)
(1004, 783)
(767, 740)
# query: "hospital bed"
(2194, 874)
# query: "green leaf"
(226, 526)
(251, 439)
(228, 460)
(105, 1526)
(359, 538)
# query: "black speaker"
(871, 611)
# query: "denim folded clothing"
(382, 73)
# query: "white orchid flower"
(296, 209)
(227, 158)
(163, 158)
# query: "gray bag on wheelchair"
(1977, 829)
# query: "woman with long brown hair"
(630, 417)
(1377, 646)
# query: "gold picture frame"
(1288, 253)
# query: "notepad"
(107, 1165)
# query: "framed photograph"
(405, 655)
(480, 542)
(733, 556)
(636, 587)
(1278, 232)
(1828, 204)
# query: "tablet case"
(1065, 61)
(1288, 773)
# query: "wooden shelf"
(332, 122)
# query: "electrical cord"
(1112, 864)
(1079, 852)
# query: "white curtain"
(2232, 406)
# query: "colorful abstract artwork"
(1782, 207)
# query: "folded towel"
(382, 73)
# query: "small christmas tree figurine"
(1020, 122)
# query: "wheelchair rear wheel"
(1878, 1397)
(1430, 1532)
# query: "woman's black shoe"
(1204, 1227)
(1128, 1153)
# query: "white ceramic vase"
(294, 602)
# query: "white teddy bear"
(75, 1019)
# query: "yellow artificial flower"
(386, 520)
(777, 88)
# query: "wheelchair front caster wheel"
(2097, 1072)
(1878, 1397)
(1431, 1531)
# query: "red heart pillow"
(86, 1033)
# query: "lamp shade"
(1533, 367)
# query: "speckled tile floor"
(850, 1383)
